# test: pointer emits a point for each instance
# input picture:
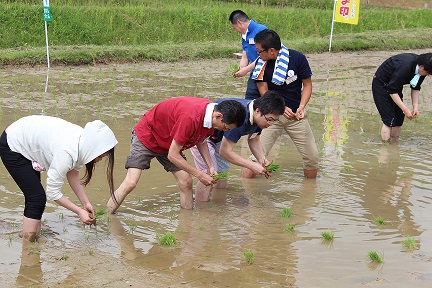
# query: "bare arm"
(305, 97)
(262, 87)
(257, 150)
(244, 61)
(227, 152)
(75, 183)
(83, 214)
(205, 154)
(395, 97)
(245, 69)
(414, 98)
(174, 155)
(77, 187)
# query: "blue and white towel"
(281, 67)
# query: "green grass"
(376, 257)
(249, 256)
(167, 239)
(290, 228)
(286, 212)
(379, 220)
(409, 244)
(327, 235)
(99, 31)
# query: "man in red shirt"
(172, 126)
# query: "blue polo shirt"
(248, 45)
(236, 133)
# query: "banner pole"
(332, 26)
(46, 40)
(47, 18)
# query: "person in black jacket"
(387, 85)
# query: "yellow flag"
(347, 11)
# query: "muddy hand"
(93, 222)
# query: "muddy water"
(360, 179)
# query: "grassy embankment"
(101, 31)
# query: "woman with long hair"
(42, 143)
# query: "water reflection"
(30, 271)
(359, 179)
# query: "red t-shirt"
(180, 118)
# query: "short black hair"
(425, 60)
(233, 112)
(237, 15)
(268, 39)
(270, 103)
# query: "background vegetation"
(89, 31)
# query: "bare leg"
(221, 184)
(247, 173)
(312, 173)
(184, 181)
(128, 184)
(385, 133)
(202, 192)
(31, 228)
(395, 133)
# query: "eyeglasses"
(225, 126)
(270, 120)
(260, 51)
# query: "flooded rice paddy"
(361, 181)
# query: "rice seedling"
(379, 220)
(234, 68)
(61, 216)
(273, 167)
(132, 228)
(347, 169)
(376, 257)
(327, 235)
(220, 175)
(91, 252)
(249, 256)
(99, 212)
(167, 239)
(409, 244)
(10, 238)
(286, 212)
(290, 228)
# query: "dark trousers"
(27, 179)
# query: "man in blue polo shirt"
(260, 113)
(248, 28)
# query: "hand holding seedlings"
(220, 175)
(300, 114)
(93, 222)
(270, 167)
(234, 69)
